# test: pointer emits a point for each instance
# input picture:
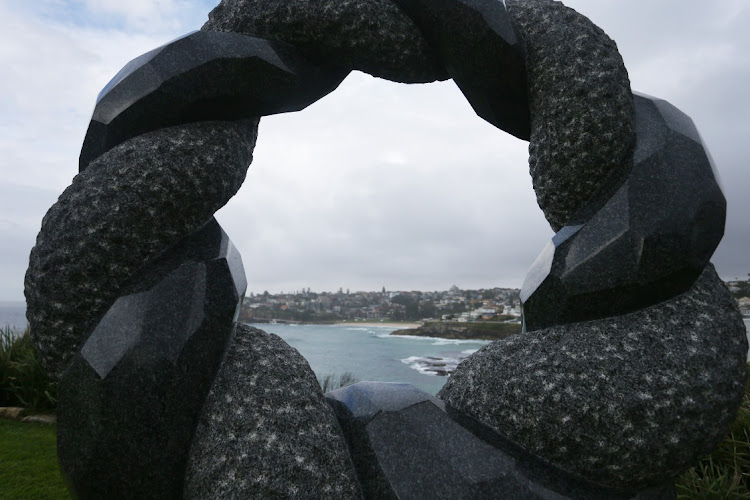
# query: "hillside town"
(740, 290)
(494, 304)
(490, 304)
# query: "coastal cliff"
(483, 330)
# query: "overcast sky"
(378, 184)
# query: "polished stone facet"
(406, 443)
(205, 75)
(130, 399)
(480, 51)
(647, 243)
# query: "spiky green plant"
(23, 381)
(332, 382)
(726, 472)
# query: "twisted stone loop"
(133, 289)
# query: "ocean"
(13, 314)
(368, 352)
(371, 353)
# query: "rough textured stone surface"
(126, 208)
(266, 431)
(130, 399)
(405, 443)
(478, 47)
(205, 75)
(580, 103)
(626, 401)
(649, 242)
(373, 36)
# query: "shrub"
(330, 382)
(23, 381)
(726, 472)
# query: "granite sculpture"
(131, 396)
(633, 360)
(611, 260)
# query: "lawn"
(28, 462)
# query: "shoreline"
(405, 326)
(389, 324)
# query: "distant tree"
(427, 310)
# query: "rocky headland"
(479, 330)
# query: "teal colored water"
(370, 353)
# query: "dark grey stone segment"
(625, 402)
(266, 431)
(479, 49)
(406, 443)
(129, 206)
(206, 75)
(582, 122)
(373, 36)
(649, 242)
(130, 400)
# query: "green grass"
(726, 472)
(28, 462)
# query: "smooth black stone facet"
(479, 49)
(204, 76)
(130, 399)
(406, 443)
(649, 242)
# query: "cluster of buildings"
(452, 304)
(740, 290)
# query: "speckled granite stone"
(266, 430)
(373, 36)
(129, 401)
(626, 401)
(126, 208)
(582, 121)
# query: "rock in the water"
(627, 401)
(406, 443)
(373, 36)
(581, 108)
(205, 75)
(130, 399)
(266, 430)
(480, 51)
(647, 243)
(126, 208)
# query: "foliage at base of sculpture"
(23, 381)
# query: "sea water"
(13, 314)
(371, 353)
(368, 352)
